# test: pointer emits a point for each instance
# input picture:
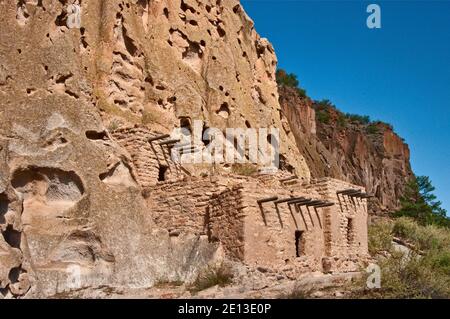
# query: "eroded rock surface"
(70, 198)
(77, 107)
(378, 160)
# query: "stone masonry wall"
(181, 206)
(278, 236)
(148, 158)
(270, 230)
(345, 226)
(226, 221)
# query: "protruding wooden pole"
(169, 142)
(315, 203)
(300, 201)
(280, 201)
(266, 200)
(343, 192)
(159, 137)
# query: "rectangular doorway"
(350, 231)
(299, 243)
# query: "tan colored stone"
(87, 202)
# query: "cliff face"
(69, 192)
(78, 106)
(372, 156)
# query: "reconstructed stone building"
(86, 178)
(272, 221)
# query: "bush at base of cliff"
(213, 276)
(380, 237)
(422, 273)
(411, 279)
(430, 237)
(298, 292)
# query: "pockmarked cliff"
(89, 194)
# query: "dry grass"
(425, 274)
(380, 237)
(244, 169)
(212, 276)
(299, 292)
(164, 283)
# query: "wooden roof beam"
(343, 192)
(299, 200)
(158, 137)
(315, 203)
(349, 192)
(266, 200)
(169, 142)
(280, 201)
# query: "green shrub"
(362, 119)
(411, 278)
(323, 116)
(322, 108)
(323, 105)
(380, 237)
(419, 202)
(372, 129)
(440, 260)
(286, 79)
(341, 120)
(290, 80)
(301, 92)
(212, 276)
(424, 237)
(424, 273)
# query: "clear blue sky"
(399, 74)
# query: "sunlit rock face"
(71, 204)
(379, 159)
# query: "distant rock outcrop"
(372, 155)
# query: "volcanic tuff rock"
(69, 191)
(378, 160)
(75, 109)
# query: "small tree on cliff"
(289, 80)
(420, 203)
